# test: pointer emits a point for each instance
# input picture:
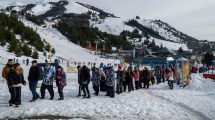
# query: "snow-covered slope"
(40, 9)
(64, 48)
(170, 45)
(160, 29)
(110, 25)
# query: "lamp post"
(97, 42)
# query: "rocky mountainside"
(84, 15)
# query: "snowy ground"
(157, 103)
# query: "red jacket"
(136, 76)
(163, 72)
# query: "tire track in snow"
(199, 114)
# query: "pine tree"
(208, 57)
(44, 54)
(146, 42)
(161, 46)
(35, 55)
(53, 51)
(2, 34)
(18, 50)
(47, 47)
(26, 50)
(12, 42)
(146, 35)
(137, 17)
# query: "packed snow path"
(199, 114)
(157, 103)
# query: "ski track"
(200, 115)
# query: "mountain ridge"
(106, 23)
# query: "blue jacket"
(110, 79)
(96, 78)
(49, 76)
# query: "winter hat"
(59, 67)
(119, 67)
(9, 60)
(101, 69)
(34, 61)
(108, 68)
(16, 64)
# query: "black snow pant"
(86, 89)
(79, 90)
(163, 78)
(110, 91)
(127, 85)
(50, 89)
(96, 89)
(119, 88)
(158, 80)
(146, 84)
(137, 85)
(15, 95)
(60, 91)
(170, 83)
(124, 86)
(103, 86)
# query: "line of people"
(119, 81)
(108, 80)
(13, 73)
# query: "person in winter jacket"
(79, 81)
(7, 68)
(151, 77)
(124, 79)
(15, 81)
(5, 73)
(85, 79)
(163, 72)
(103, 86)
(158, 74)
(110, 82)
(132, 80)
(60, 81)
(194, 69)
(136, 78)
(120, 79)
(146, 78)
(170, 79)
(129, 79)
(33, 77)
(140, 79)
(96, 79)
(48, 79)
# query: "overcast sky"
(193, 17)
